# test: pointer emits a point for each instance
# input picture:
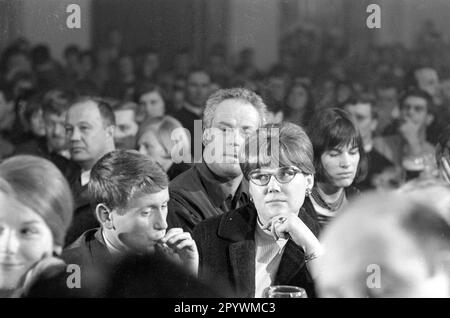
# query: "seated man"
(126, 125)
(130, 192)
(216, 185)
(408, 149)
(53, 146)
(130, 254)
(90, 131)
(197, 90)
(365, 116)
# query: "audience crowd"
(153, 180)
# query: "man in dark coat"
(90, 128)
(53, 146)
(197, 91)
(216, 185)
(130, 194)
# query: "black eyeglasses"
(282, 175)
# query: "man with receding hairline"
(90, 132)
(216, 185)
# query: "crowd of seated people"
(221, 180)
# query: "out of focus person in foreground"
(431, 190)
(386, 245)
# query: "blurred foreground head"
(386, 245)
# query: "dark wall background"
(166, 25)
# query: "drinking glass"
(284, 291)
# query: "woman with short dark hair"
(272, 240)
(339, 160)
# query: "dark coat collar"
(215, 188)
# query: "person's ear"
(104, 216)
(110, 131)
(207, 136)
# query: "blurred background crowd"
(395, 91)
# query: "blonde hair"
(168, 131)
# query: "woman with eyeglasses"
(339, 161)
(271, 241)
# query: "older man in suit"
(90, 129)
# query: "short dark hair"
(56, 102)
(104, 107)
(416, 92)
(71, 49)
(145, 88)
(121, 175)
(40, 54)
(294, 148)
(125, 105)
(32, 106)
(333, 128)
(362, 99)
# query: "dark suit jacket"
(187, 119)
(226, 247)
(83, 216)
(88, 250)
(194, 198)
(38, 147)
(130, 275)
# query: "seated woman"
(386, 245)
(36, 209)
(151, 103)
(339, 160)
(165, 141)
(299, 104)
(272, 240)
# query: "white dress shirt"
(268, 257)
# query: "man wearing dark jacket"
(90, 129)
(216, 185)
(130, 193)
(53, 146)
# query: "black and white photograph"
(213, 154)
